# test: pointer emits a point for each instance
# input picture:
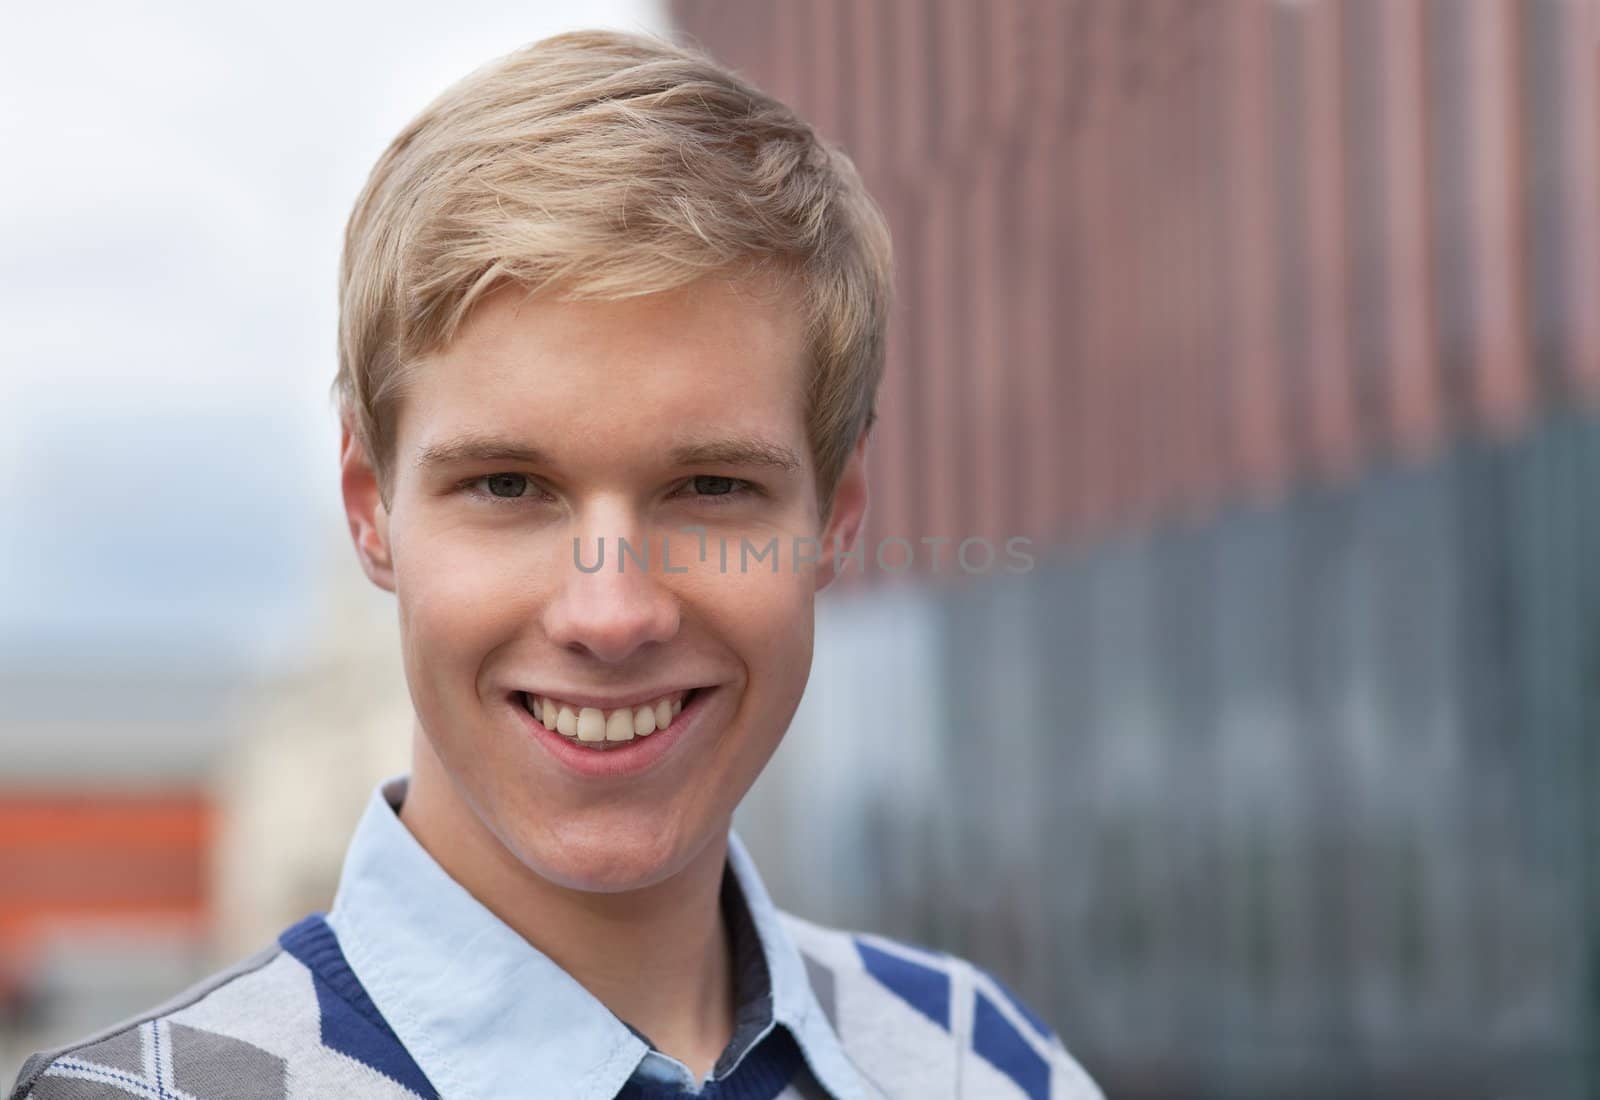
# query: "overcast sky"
(177, 180)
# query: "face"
(547, 422)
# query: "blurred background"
(1275, 326)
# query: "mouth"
(597, 730)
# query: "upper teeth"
(594, 724)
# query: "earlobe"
(365, 513)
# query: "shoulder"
(261, 1020)
(899, 1007)
(122, 1059)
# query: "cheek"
(457, 600)
(767, 618)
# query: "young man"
(612, 323)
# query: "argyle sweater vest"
(293, 1021)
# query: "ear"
(364, 510)
(848, 514)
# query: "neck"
(658, 957)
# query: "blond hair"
(609, 165)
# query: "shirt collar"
(482, 1011)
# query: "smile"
(603, 729)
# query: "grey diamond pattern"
(218, 1067)
(822, 985)
(194, 1064)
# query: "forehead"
(716, 354)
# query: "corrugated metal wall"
(1280, 322)
(1154, 256)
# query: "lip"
(578, 699)
(629, 758)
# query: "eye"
(504, 488)
(723, 488)
(714, 486)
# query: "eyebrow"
(738, 450)
(475, 448)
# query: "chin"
(608, 854)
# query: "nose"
(605, 612)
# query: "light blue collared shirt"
(482, 1011)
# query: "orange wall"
(79, 857)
